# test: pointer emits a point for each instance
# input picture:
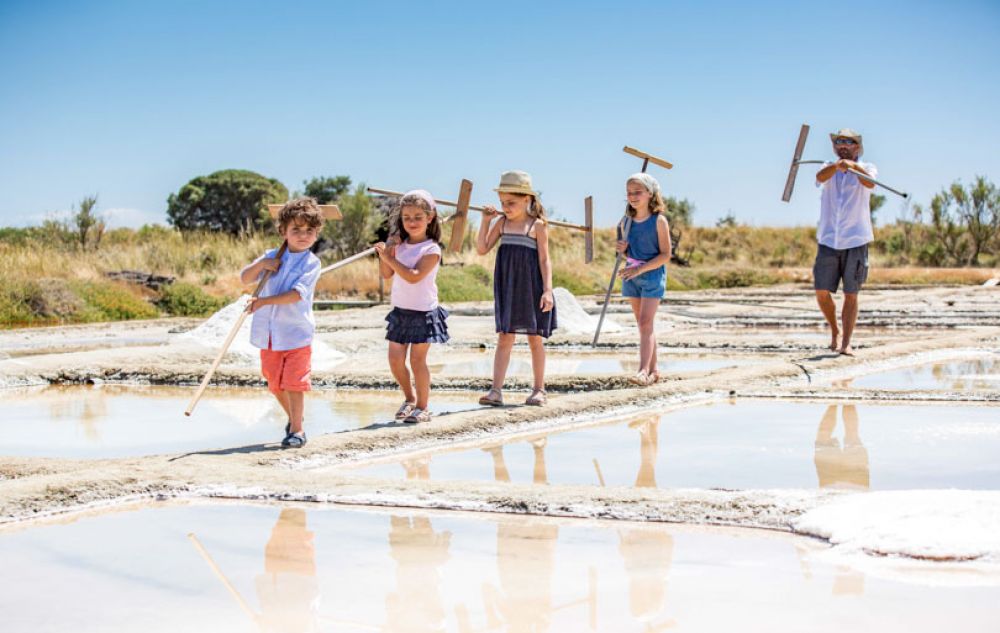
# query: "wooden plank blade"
(793, 170)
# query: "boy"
(283, 322)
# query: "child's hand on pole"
(489, 212)
(270, 264)
(386, 250)
(256, 303)
(621, 246)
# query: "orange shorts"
(287, 370)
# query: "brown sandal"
(405, 410)
(537, 398)
(490, 401)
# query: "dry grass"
(37, 270)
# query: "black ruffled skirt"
(414, 326)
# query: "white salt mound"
(213, 332)
(572, 318)
(939, 525)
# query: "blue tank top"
(643, 242)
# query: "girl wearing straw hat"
(522, 280)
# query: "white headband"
(647, 181)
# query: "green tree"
(966, 220)
(875, 203)
(727, 222)
(87, 225)
(356, 231)
(232, 200)
(679, 214)
(679, 211)
(327, 190)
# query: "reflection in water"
(398, 570)
(416, 605)
(958, 375)
(288, 591)
(647, 554)
(525, 565)
(749, 445)
(525, 560)
(539, 473)
(841, 466)
(649, 448)
(128, 420)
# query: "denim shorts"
(648, 285)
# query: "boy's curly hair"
(304, 210)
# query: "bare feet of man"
(846, 350)
(834, 344)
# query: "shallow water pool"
(234, 567)
(119, 420)
(745, 444)
(954, 375)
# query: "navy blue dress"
(518, 287)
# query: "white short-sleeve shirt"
(291, 325)
(845, 218)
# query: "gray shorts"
(832, 265)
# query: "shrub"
(109, 301)
(464, 283)
(184, 299)
(734, 278)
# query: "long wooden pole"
(347, 260)
(449, 203)
(859, 174)
(221, 576)
(625, 226)
(232, 335)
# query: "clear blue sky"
(130, 100)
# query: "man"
(845, 229)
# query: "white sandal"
(641, 378)
(418, 415)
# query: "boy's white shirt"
(845, 218)
(291, 325)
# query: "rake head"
(793, 170)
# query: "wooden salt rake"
(623, 228)
(462, 208)
(793, 170)
(330, 212)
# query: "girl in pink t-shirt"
(412, 255)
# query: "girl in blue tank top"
(644, 278)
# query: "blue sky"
(130, 100)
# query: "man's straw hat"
(846, 132)
(516, 182)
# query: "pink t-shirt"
(423, 295)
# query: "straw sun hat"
(516, 182)
(847, 132)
